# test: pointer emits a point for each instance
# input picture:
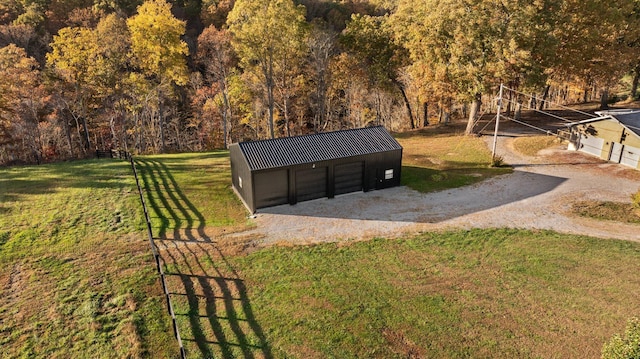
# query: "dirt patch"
(401, 345)
(13, 287)
(538, 195)
(610, 211)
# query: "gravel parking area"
(538, 195)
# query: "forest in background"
(194, 75)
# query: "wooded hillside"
(193, 75)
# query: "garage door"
(592, 145)
(348, 177)
(616, 152)
(311, 183)
(630, 156)
(271, 188)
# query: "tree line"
(192, 75)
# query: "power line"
(532, 126)
(551, 102)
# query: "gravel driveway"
(537, 195)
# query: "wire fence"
(154, 249)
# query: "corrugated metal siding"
(241, 177)
(289, 151)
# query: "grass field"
(77, 278)
(608, 211)
(76, 275)
(531, 145)
(480, 294)
(442, 161)
(197, 198)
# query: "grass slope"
(531, 145)
(480, 294)
(76, 275)
(444, 161)
(190, 193)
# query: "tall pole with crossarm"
(495, 133)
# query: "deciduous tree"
(371, 40)
(72, 60)
(21, 100)
(217, 59)
(158, 51)
(471, 46)
(265, 34)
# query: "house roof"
(288, 151)
(628, 118)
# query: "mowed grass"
(478, 294)
(189, 195)
(443, 161)
(76, 276)
(531, 145)
(88, 289)
(608, 211)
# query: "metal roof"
(288, 151)
(630, 121)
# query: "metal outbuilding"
(285, 170)
(613, 136)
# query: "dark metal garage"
(293, 169)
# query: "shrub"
(635, 198)
(497, 161)
(626, 347)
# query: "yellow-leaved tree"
(159, 52)
(268, 35)
(72, 60)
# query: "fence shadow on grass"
(213, 310)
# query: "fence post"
(156, 257)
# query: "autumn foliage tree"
(20, 105)
(186, 75)
(371, 39)
(159, 52)
(217, 59)
(266, 34)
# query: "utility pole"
(495, 133)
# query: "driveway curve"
(537, 195)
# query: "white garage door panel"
(591, 145)
(630, 157)
(616, 153)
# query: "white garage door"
(616, 152)
(630, 156)
(591, 145)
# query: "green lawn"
(531, 145)
(76, 275)
(440, 162)
(479, 294)
(77, 278)
(190, 194)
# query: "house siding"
(619, 143)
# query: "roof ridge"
(310, 148)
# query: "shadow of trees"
(213, 310)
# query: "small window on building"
(240, 181)
(388, 174)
